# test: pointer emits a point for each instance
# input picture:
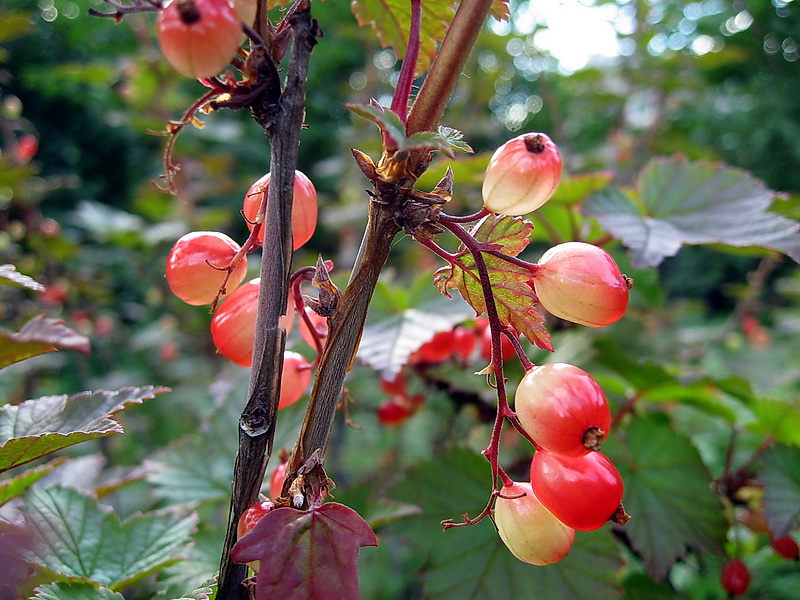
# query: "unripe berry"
(522, 175)
(581, 283)
(233, 326)
(528, 529)
(295, 378)
(248, 520)
(199, 37)
(196, 266)
(735, 576)
(304, 207)
(563, 409)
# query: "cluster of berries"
(203, 265)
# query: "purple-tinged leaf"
(306, 555)
(37, 427)
(39, 336)
(681, 202)
(10, 276)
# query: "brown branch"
(257, 423)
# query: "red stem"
(402, 93)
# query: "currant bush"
(522, 175)
(582, 492)
(735, 576)
(233, 326)
(199, 37)
(581, 283)
(530, 531)
(304, 207)
(197, 263)
(563, 409)
(295, 378)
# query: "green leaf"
(682, 202)
(16, 486)
(37, 427)
(778, 419)
(391, 21)
(455, 140)
(575, 189)
(76, 537)
(75, 591)
(10, 276)
(39, 336)
(780, 476)
(472, 562)
(514, 296)
(387, 344)
(207, 591)
(667, 493)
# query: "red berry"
(563, 409)
(393, 413)
(196, 266)
(465, 342)
(233, 326)
(582, 492)
(735, 576)
(320, 325)
(199, 37)
(276, 481)
(507, 351)
(522, 175)
(528, 529)
(295, 378)
(248, 520)
(304, 207)
(581, 283)
(27, 147)
(438, 349)
(785, 547)
(394, 387)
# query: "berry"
(465, 342)
(785, 547)
(735, 576)
(438, 349)
(507, 351)
(563, 409)
(582, 492)
(248, 520)
(295, 378)
(196, 266)
(393, 413)
(581, 283)
(522, 175)
(276, 481)
(320, 324)
(304, 207)
(394, 387)
(233, 326)
(246, 9)
(199, 37)
(26, 149)
(528, 529)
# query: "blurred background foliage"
(79, 212)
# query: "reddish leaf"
(514, 297)
(306, 554)
(39, 336)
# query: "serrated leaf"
(37, 427)
(39, 336)
(514, 296)
(306, 553)
(207, 591)
(16, 486)
(387, 344)
(682, 202)
(455, 139)
(500, 10)
(75, 591)
(76, 537)
(391, 21)
(191, 470)
(780, 476)
(472, 562)
(10, 276)
(667, 491)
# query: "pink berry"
(522, 175)
(199, 37)
(581, 283)
(532, 533)
(295, 378)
